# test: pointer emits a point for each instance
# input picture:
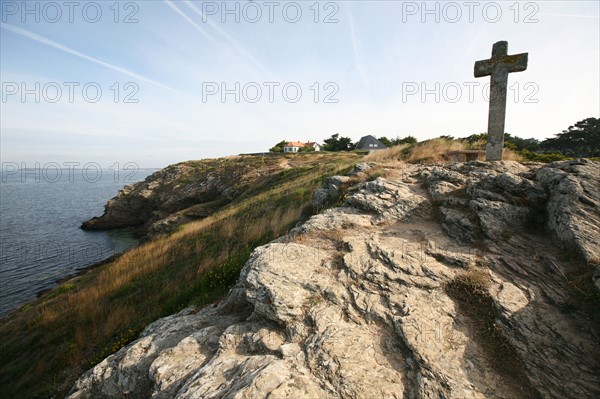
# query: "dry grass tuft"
(394, 153)
(427, 151)
(434, 150)
(475, 280)
(510, 155)
(47, 344)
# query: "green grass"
(61, 289)
(545, 158)
(48, 343)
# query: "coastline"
(80, 272)
(77, 273)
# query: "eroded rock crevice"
(458, 281)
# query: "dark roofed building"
(370, 143)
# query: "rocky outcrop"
(448, 282)
(184, 192)
(574, 205)
(335, 186)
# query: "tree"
(522, 144)
(337, 143)
(279, 146)
(477, 137)
(406, 140)
(510, 141)
(386, 141)
(580, 140)
(398, 141)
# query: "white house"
(295, 146)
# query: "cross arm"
(512, 63)
(501, 61)
(483, 68)
(516, 62)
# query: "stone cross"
(498, 67)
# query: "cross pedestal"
(498, 67)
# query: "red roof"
(300, 144)
(294, 144)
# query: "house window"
(370, 145)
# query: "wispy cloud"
(468, 53)
(188, 19)
(233, 42)
(357, 59)
(68, 50)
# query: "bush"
(546, 158)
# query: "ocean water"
(41, 210)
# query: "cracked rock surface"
(361, 301)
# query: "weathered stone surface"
(390, 200)
(361, 168)
(334, 183)
(493, 199)
(497, 218)
(356, 303)
(498, 67)
(574, 207)
(174, 366)
(319, 199)
(458, 225)
(167, 352)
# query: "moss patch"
(469, 290)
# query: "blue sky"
(368, 61)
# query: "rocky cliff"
(467, 280)
(187, 191)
